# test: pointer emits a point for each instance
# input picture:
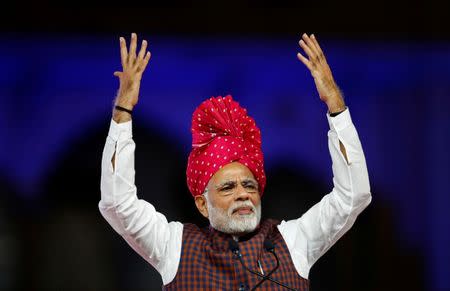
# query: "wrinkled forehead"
(232, 172)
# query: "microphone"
(268, 245)
(234, 247)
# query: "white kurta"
(159, 242)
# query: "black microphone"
(234, 248)
(268, 245)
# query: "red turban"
(222, 133)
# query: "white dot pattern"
(222, 133)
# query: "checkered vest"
(207, 263)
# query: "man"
(225, 175)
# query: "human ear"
(200, 202)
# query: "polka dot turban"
(222, 133)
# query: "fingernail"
(312, 35)
(120, 39)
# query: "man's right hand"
(133, 67)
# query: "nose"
(241, 193)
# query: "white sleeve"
(146, 230)
(311, 235)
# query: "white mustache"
(240, 204)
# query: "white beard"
(235, 224)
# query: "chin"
(247, 215)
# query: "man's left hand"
(320, 70)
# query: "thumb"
(118, 74)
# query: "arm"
(317, 64)
(310, 236)
(130, 78)
(145, 230)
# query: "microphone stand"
(270, 273)
(234, 247)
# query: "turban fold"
(222, 133)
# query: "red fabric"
(222, 133)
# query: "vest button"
(242, 287)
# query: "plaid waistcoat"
(207, 263)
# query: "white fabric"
(159, 242)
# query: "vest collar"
(219, 240)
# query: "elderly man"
(225, 174)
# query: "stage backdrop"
(56, 97)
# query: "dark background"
(390, 58)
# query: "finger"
(307, 50)
(319, 49)
(143, 50)
(133, 44)
(123, 51)
(117, 74)
(147, 57)
(310, 44)
(304, 61)
(309, 41)
(145, 60)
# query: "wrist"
(121, 116)
(122, 112)
(334, 114)
(125, 105)
(336, 106)
(120, 108)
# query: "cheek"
(256, 200)
(223, 204)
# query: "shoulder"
(269, 223)
(268, 227)
(191, 230)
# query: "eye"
(226, 191)
(251, 188)
(226, 188)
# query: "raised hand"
(320, 70)
(133, 66)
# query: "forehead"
(231, 171)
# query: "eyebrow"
(249, 181)
(233, 183)
(226, 183)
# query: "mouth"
(243, 210)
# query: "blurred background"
(391, 60)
